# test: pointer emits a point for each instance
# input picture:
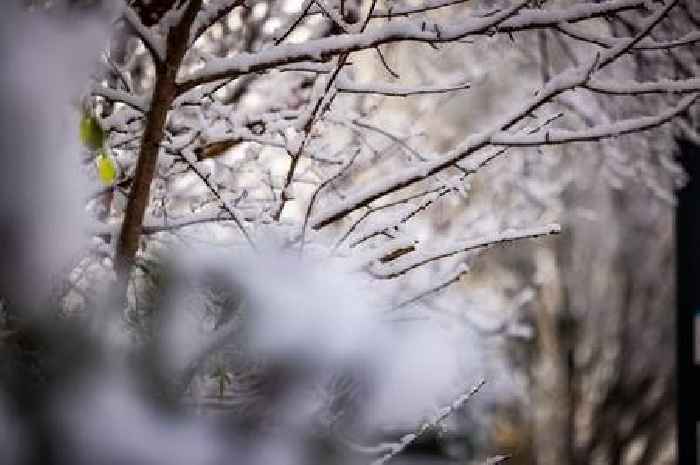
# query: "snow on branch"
(154, 44)
(429, 196)
(136, 102)
(323, 49)
(608, 42)
(335, 16)
(224, 205)
(603, 131)
(342, 170)
(408, 439)
(306, 122)
(359, 123)
(456, 276)
(392, 222)
(405, 10)
(537, 18)
(623, 46)
(402, 266)
(560, 83)
(564, 81)
(505, 21)
(392, 90)
(155, 225)
(687, 39)
(306, 7)
(665, 86)
(211, 14)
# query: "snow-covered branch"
(136, 102)
(393, 90)
(405, 441)
(564, 81)
(506, 21)
(224, 205)
(410, 262)
(609, 56)
(665, 86)
(312, 202)
(323, 49)
(153, 43)
(405, 10)
(562, 136)
(214, 12)
(608, 41)
(456, 276)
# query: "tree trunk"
(164, 93)
(551, 373)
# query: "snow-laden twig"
(118, 71)
(544, 18)
(400, 267)
(456, 276)
(405, 10)
(430, 196)
(603, 131)
(335, 16)
(608, 42)
(564, 81)
(362, 124)
(136, 102)
(307, 122)
(154, 44)
(212, 14)
(309, 208)
(391, 222)
(664, 86)
(154, 226)
(224, 205)
(304, 11)
(609, 56)
(408, 439)
(688, 132)
(322, 49)
(344, 85)
(560, 83)
(505, 21)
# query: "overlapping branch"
(509, 20)
(471, 148)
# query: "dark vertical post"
(688, 302)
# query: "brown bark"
(164, 93)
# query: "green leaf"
(92, 135)
(106, 169)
